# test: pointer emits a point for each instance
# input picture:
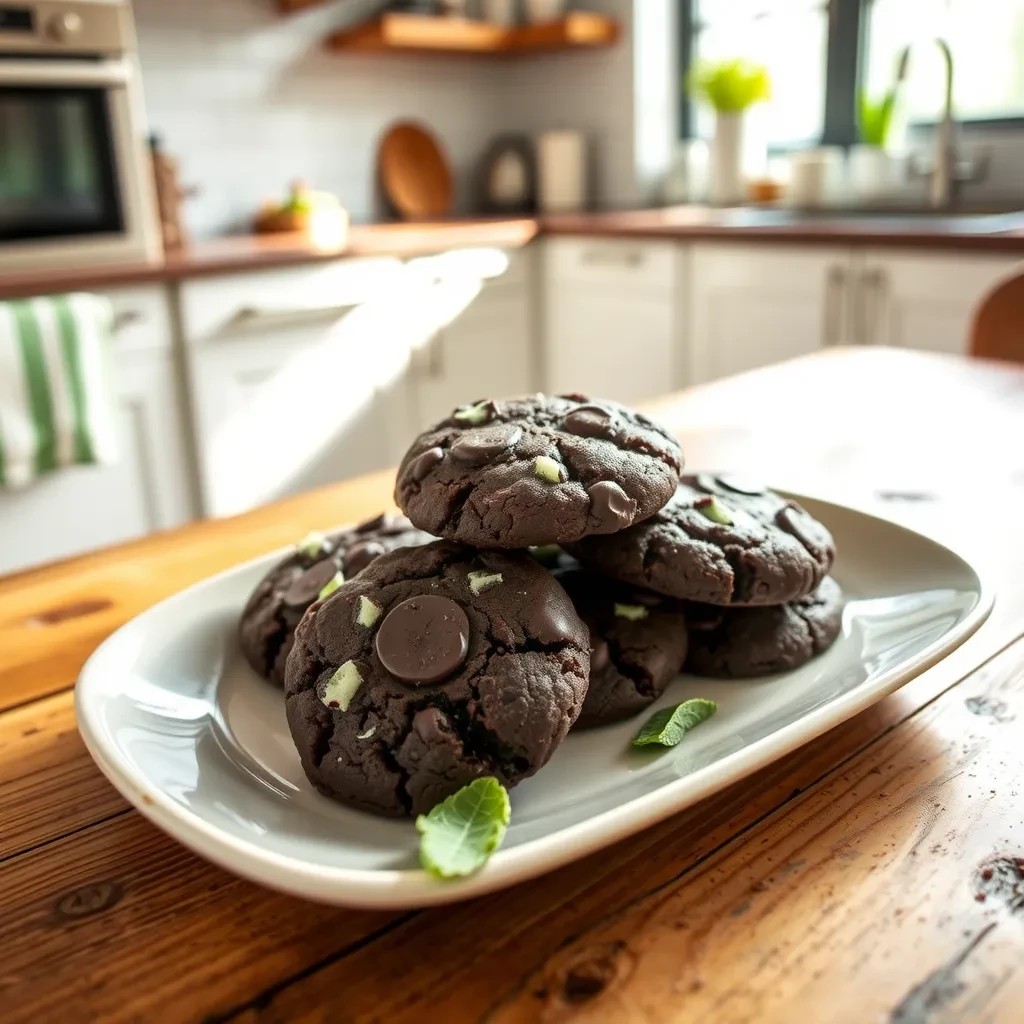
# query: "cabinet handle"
(613, 257)
(276, 315)
(835, 287)
(125, 318)
(873, 294)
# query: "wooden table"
(874, 875)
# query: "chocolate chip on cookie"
(734, 643)
(435, 666)
(293, 584)
(718, 541)
(537, 470)
(637, 645)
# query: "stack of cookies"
(577, 574)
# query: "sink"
(963, 220)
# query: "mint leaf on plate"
(460, 833)
(668, 726)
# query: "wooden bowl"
(413, 172)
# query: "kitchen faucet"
(945, 175)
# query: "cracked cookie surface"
(720, 541)
(637, 645)
(537, 470)
(281, 598)
(737, 643)
(487, 666)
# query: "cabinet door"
(610, 318)
(487, 350)
(609, 344)
(276, 417)
(752, 305)
(924, 300)
(85, 507)
(287, 371)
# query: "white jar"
(544, 10)
(499, 12)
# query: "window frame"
(847, 25)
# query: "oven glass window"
(57, 174)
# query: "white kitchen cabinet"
(751, 305)
(288, 372)
(483, 346)
(610, 325)
(923, 300)
(148, 487)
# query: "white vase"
(872, 173)
(726, 185)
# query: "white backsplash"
(249, 99)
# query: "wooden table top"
(876, 874)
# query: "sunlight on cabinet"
(483, 344)
(315, 386)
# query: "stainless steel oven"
(76, 185)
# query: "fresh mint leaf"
(669, 726)
(460, 833)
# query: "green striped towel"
(56, 406)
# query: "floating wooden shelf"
(416, 33)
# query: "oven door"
(74, 179)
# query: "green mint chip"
(342, 686)
(633, 612)
(332, 584)
(669, 726)
(369, 611)
(312, 544)
(460, 833)
(474, 415)
(711, 508)
(547, 469)
(546, 554)
(479, 580)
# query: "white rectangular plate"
(198, 743)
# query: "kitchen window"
(818, 52)
(790, 37)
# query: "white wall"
(249, 99)
(623, 98)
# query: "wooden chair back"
(998, 329)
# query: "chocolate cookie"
(539, 470)
(720, 541)
(281, 598)
(733, 643)
(637, 645)
(435, 666)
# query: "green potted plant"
(872, 168)
(730, 88)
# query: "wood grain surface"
(876, 874)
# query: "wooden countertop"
(241, 253)
(994, 233)
(873, 875)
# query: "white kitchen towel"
(56, 399)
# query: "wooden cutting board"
(414, 172)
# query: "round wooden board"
(414, 172)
